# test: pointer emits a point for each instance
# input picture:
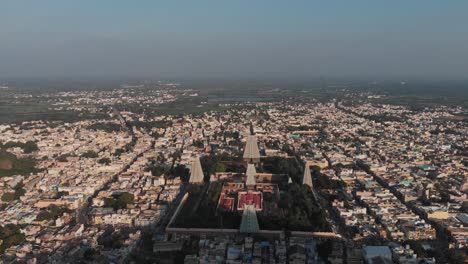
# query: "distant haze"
(234, 39)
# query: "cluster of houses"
(403, 173)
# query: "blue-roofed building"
(427, 167)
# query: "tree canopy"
(120, 201)
(52, 212)
(105, 161)
(89, 154)
(28, 147)
(10, 235)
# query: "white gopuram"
(307, 179)
(196, 172)
(251, 173)
(251, 152)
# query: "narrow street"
(82, 213)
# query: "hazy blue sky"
(234, 39)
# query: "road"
(82, 213)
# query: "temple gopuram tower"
(196, 172)
(251, 152)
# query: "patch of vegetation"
(157, 169)
(180, 171)
(8, 197)
(299, 212)
(324, 182)
(52, 212)
(28, 147)
(19, 190)
(61, 193)
(280, 165)
(152, 124)
(10, 235)
(90, 154)
(200, 210)
(217, 163)
(63, 158)
(105, 161)
(119, 152)
(112, 239)
(11, 165)
(119, 201)
(107, 127)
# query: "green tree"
(220, 167)
(17, 166)
(30, 146)
(182, 172)
(105, 161)
(63, 158)
(120, 202)
(315, 169)
(157, 170)
(126, 198)
(110, 202)
(19, 190)
(52, 212)
(198, 143)
(44, 215)
(8, 197)
(119, 151)
(10, 235)
(89, 154)
(62, 193)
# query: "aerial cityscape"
(199, 141)
(285, 178)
